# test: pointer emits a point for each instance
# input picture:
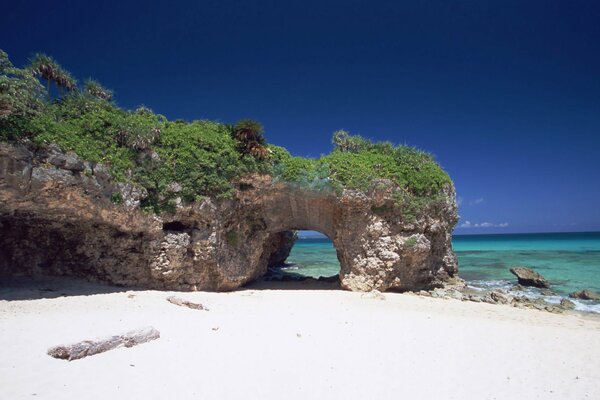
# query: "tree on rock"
(347, 143)
(95, 89)
(249, 135)
(49, 70)
(21, 97)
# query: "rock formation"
(61, 215)
(528, 277)
(585, 294)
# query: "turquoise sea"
(570, 261)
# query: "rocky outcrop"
(528, 277)
(61, 215)
(567, 304)
(280, 247)
(498, 297)
(585, 294)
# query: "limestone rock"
(373, 294)
(500, 298)
(585, 294)
(528, 277)
(68, 161)
(280, 247)
(567, 304)
(60, 217)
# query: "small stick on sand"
(91, 347)
(185, 303)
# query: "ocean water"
(570, 261)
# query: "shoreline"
(298, 342)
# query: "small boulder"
(475, 298)
(517, 288)
(585, 294)
(500, 298)
(68, 161)
(528, 277)
(373, 294)
(567, 304)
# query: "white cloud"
(469, 224)
(473, 202)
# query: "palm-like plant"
(64, 80)
(250, 136)
(95, 89)
(48, 69)
(45, 67)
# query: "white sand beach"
(291, 344)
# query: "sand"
(304, 343)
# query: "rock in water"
(90, 347)
(585, 294)
(567, 304)
(528, 277)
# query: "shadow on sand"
(49, 287)
(278, 279)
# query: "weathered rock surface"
(498, 297)
(528, 277)
(57, 217)
(567, 304)
(281, 246)
(585, 294)
(88, 348)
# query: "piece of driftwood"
(91, 347)
(185, 303)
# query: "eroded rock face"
(58, 216)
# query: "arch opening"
(302, 256)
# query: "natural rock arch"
(58, 218)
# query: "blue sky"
(506, 94)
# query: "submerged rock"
(528, 277)
(62, 216)
(585, 294)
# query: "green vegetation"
(116, 198)
(410, 242)
(21, 98)
(95, 89)
(232, 238)
(192, 160)
(49, 70)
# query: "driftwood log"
(185, 303)
(91, 347)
